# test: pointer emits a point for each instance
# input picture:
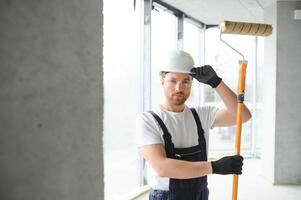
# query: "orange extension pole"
(240, 101)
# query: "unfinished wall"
(283, 127)
(51, 100)
(288, 106)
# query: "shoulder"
(145, 116)
(206, 110)
(147, 130)
(207, 115)
(146, 120)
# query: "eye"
(173, 81)
(186, 82)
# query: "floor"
(251, 186)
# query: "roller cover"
(243, 28)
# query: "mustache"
(178, 94)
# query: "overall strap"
(198, 122)
(169, 146)
(202, 140)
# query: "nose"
(178, 86)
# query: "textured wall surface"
(281, 146)
(51, 100)
(288, 104)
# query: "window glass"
(121, 75)
(163, 41)
(193, 44)
(225, 62)
(121, 82)
(258, 120)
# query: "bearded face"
(177, 87)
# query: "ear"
(161, 81)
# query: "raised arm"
(225, 116)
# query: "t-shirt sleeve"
(147, 130)
(207, 116)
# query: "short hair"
(163, 74)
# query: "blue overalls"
(184, 189)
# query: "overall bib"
(184, 189)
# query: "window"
(121, 75)
(163, 41)
(259, 110)
(225, 61)
(194, 45)
(121, 83)
(206, 48)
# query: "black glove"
(227, 165)
(207, 75)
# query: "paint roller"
(242, 28)
(228, 27)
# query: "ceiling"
(215, 11)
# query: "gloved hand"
(227, 165)
(207, 75)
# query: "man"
(173, 138)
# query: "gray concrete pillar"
(282, 83)
(51, 100)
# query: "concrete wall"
(283, 126)
(51, 100)
(288, 104)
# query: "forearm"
(230, 100)
(179, 169)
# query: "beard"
(178, 99)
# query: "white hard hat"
(178, 61)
